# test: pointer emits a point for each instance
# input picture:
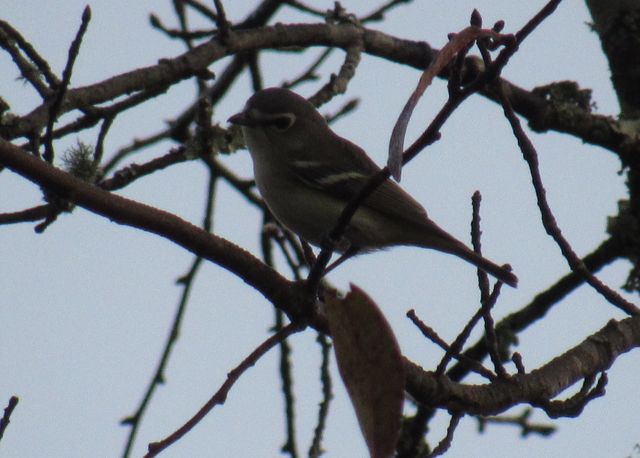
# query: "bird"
(307, 174)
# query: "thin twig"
(102, 135)
(315, 450)
(445, 443)
(61, 90)
(483, 278)
(487, 299)
(187, 282)
(461, 339)
(285, 366)
(202, 9)
(28, 71)
(93, 115)
(132, 172)
(522, 420)
(306, 8)
(548, 220)
(136, 145)
(283, 244)
(290, 446)
(378, 13)
(433, 336)
(338, 83)
(246, 188)
(25, 216)
(156, 23)
(180, 10)
(536, 20)
(574, 406)
(6, 418)
(607, 252)
(257, 81)
(32, 54)
(490, 332)
(345, 109)
(310, 73)
(221, 21)
(178, 128)
(221, 395)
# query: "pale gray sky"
(86, 306)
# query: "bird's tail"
(443, 241)
(501, 273)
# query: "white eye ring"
(283, 121)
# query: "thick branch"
(595, 354)
(273, 286)
(543, 115)
(610, 250)
(617, 26)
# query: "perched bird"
(307, 174)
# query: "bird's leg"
(351, 251)
(307, 252)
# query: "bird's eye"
(284, 121)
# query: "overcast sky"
(86, 306)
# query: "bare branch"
(315, 450)
(433, 336)
(309, 74)
(595, 129)
(25, 216)
(549, 221)
(128, 212)
(221, 395)
(28, 71)
(522, 420)
(56, 103)
(593, 355)
(222, 22)
(487, 298)
(187, 282)
(378, 13)
(537, 309)
(445, 443)
(4, 421)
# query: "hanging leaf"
(371, 368)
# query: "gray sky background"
(86, 306)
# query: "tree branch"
(543, 115)
(277, 289)
(595, 354)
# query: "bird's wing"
(349, 173)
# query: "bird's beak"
(241, 119)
